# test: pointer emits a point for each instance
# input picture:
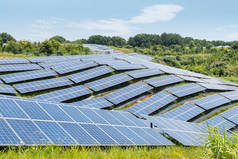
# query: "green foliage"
(58, 38)
(6, 37)
(221, 146)
(106, 40)
(235, 45)
(12, 46)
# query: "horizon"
(38, 21)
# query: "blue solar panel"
(108, 117)
(90, 74)
(13, 61)
(55, 133)
(93, 116)
(28, 132)
(144, 73)
(124, 120)
(136, 121)
(19, 67)
(42, 85)
(108, 82)
(98, 134)
(184, 112)
(73, 66)
(128, 92)
(64, 94)
(8, 108)
(94, 103)
(116, 135)
(211, 101)
(47, 58)
(125, 66)
(153, 103)
(79, 134)
(214, 86)
(24, 76)
(164, 80)
(231, 114)
(185, 90)
(55, 112)
(7, 89)
(232, 95)
(7, 136)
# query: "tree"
(7, 37)
(118, 41)
(46, 47)
(58, 38)
(235, 45)
(1, 42)
(12, 46)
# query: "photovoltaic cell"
(232, 95)
(42, 85)
(212, 86)
(64, 94)
(98, 102)
(152, 104)
(46, 58)
(184, 90)
(164, 80)
(144, 73)
(90, 74)
(28, 132)
(73, 66)
(128, 92)
(93, 116)
(184, 112)
(211, 101)
(126, 66)
(231, 114)
(19, 67)
(108, 82)
(24, 76)
(13, 61)
(7, 89)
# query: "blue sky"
(37, 20)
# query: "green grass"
(51, 152)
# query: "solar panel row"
(13, 61)
(144, 73)
(19, 67)
(94, 103)
(231, 114)
(7, 89)
(31, 123)
(164, 80)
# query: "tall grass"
(221, 145)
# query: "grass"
(103, 153)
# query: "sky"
(38, 20)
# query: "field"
(104, 153)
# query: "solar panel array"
(108, 82)
(29, 75)
(152, 104)
(232, 95)
(31, 123)
(128, 92)
(164, 80)
(64, 94)
(144, 73)
(7, 89)
(19, 67)
(42, 85)
(211, 101)
(231, 114)
(90, 74)
(185, 90)
(94, 103)
(184, 112)
(13, 61)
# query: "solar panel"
(90, 74)
(7, 89)
(108, 82)
(94, 102)
(42, 85)
(64, 94)
(19, 67)
(164, 80)
(46, 58)
(219, 122)
(184, 112)
(144, 73)
(212, 86)
(128, 92)
(211, 101)
(7, 136)
(152, 104)
(192, 79)
(232, 95)
(189, 134)
(24, 76)
(13, 61)
(126, 66)
(72, 67)
(231, 114)
(56, 134)
(184, 90)
(28, 132)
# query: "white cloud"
(232, 36)
(157, 13)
